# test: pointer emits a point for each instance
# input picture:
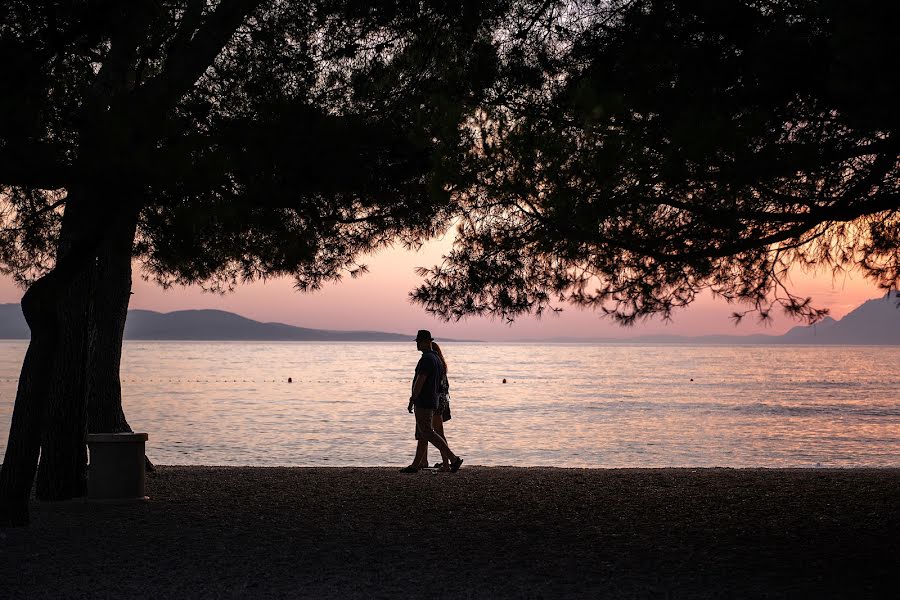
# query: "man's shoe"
(455, 465)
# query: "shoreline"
(485, 532)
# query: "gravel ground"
(485, 532)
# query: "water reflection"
(565, 405)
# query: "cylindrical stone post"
(116, 469)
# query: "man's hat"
(424, 334)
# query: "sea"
(521, 404)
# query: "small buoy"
(504, 380)
(290, 380)
(692, 378)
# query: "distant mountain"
(873, 322)
(220, 325)
(206, 325)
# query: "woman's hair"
(440, 354)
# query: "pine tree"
(214, 143)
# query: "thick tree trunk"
(105, 414)
(23, 447)
(67, 344)
(62, 472)
(40, 388)
(91, 332)
(113, 293)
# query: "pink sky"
(379, 301)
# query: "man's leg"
(421, 458)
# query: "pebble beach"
(485, 532)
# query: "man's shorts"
(420, 414)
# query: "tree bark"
(62, 471)
(72, 357)
(23, 447)
(113, 293)
(39, 388)
(105, 414)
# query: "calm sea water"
(575, 405)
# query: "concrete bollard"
(116, 469)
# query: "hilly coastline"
(206, 325)
(875, 322)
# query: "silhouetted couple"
(430, 399)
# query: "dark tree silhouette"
(669, 147)
(622, 155)
(215, 142)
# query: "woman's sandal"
(456, 464)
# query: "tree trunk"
(40, 388)
(62, 472)
(23, 447)
(92, 327)
(50, 415)
(105, 414)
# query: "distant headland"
(206, 325)
(875, 322)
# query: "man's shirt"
(430, 367)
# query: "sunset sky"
(379, 301)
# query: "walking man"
(424, 398)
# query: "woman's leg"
(438, 424)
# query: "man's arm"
(418, 384)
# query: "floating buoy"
(290, 380)
(504, 380)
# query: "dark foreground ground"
(484, 532)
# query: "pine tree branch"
(189, 59)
